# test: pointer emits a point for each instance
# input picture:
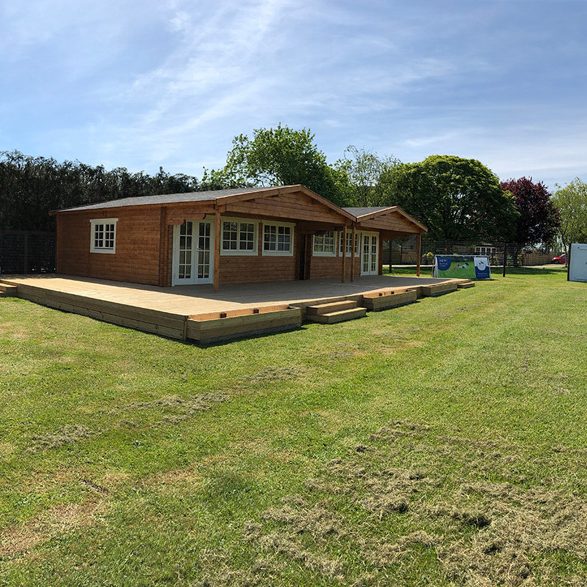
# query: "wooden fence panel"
(23, 251)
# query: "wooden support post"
(418, 253)
(343, 247)
(353, 243)
(390, 250)
(217, 242)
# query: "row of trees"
(30, 187)
(458, 199)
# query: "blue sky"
(171, 82)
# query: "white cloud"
(170, 82)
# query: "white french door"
(193, 252)
(369, 254)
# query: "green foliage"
(538, 219)
(280, 156)
(571, 202)
(32, 186)
(363, 170)
(458, 199)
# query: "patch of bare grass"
(276, 374)
(291, 547)
(54, 522)
(174, 409)
(6, 449)
(482, 533)
(301, 517)
(68, 434)
(218, 571)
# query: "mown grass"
(440, 443)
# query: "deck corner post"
(418, 253)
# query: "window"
(239, 238)
(486, 250)
(325, 244)
(349, 239)
(277, 239)
(103, 235)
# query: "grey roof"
(366, 210)
(169, 199)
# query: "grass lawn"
(441, 443)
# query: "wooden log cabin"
(242, 235)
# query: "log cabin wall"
(138, 238)
(258, 268)
(331, 268)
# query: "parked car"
(562, 259)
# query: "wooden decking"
(199, 313)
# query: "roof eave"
(225, 200)
(407, 216)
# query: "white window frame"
(348, 250)
(268, 253)
(97, 222)
(370, 234)
(486, 250)
(316, 253)
(240, 252)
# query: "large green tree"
(280, 156)
(458, 199)
(571, 202)
(360, 172)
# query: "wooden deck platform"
(198, 312)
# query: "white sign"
(578, 262)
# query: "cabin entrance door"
(369, 253)
(193, 252)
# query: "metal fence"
(27, 251)
(404, 252)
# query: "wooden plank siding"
(256, 269)
(331, 267)
(392, 221)
(138, 241)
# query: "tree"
(363, 170)
(32, 186)
(538, 219)
(458, 199)
(571, 202)
(279, 156)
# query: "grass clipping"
(410, 502)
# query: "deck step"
(224, 326)
(438, 289)
(7, 290)
(389, 299)
(329, 307)
(465, 284)
(338, 316)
